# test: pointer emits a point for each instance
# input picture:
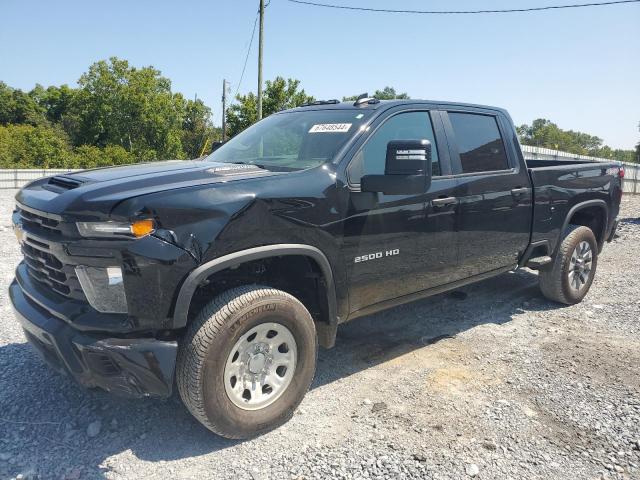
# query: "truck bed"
(560, 185)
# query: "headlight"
(137, 229)
(103, 288)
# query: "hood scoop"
(61, 184)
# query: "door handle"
(441, 202)
(519, 191)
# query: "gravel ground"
(491, 382)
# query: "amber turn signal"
(141, 228)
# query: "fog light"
(103, 288)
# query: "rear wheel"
(569, 277)
(247, 361)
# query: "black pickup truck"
(226, 273)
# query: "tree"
(18, 107)
(29, 146)
(117, 104)
(546, 134)
(197, 128)
(387, 93)
(278, 95)
(54, 101)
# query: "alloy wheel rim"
(260, 366)
(580, 266)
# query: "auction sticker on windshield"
(331, 128)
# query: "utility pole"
(224, 110)
(260, 43)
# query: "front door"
(395, 245)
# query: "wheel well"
(593, 217)
(298, 275)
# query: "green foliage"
(387, 93)
(117, 114)
(546, 134)
(278, 95)
(197, 132)
(117, 104)
(19, 107)
(121, 114)
(29, 146)
(54, 102)
(90, 156)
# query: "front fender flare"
(197, 276)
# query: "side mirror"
(407, 169)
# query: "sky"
(579, 68)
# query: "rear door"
(493, 191)
(395, 245)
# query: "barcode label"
(330, 128)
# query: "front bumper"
(130, 367)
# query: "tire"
(558, 281)
(218, 347)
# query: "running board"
(538, 262)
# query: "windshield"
(292, 141)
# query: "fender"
(197, 276)
(579, 206)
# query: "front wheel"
(247, 361)
(568, 279)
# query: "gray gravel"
(493, 382)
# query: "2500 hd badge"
(377, 255)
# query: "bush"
(88, 156)
(27, 146)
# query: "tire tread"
(550, 279)
(201, 335)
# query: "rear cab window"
(480, 144)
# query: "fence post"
(15, 178)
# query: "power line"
(253, 34)
(246, 58)
(461, 12)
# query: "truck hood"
(95, 192)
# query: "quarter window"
(371, 158)
(479, 142)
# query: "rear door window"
(479, 142)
